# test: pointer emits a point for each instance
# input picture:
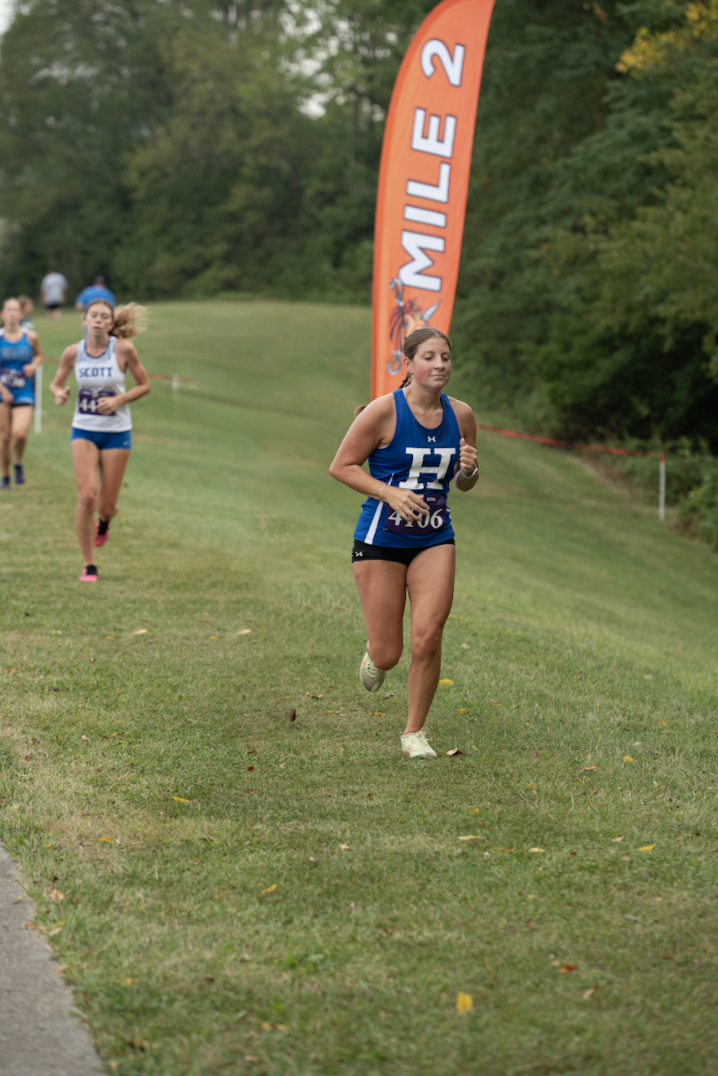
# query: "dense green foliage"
(187, 149)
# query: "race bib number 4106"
(436, 519)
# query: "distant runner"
(20, 357)
(416, 440)
(101, 426)
(53, 292)
(97, 290)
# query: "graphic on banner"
(424, 180)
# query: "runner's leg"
(85, 460)
(5, 438)
(382, 593)
(112, 470)
(430, 583)
(21, 419)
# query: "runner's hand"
(106, 405)
(7, 396)
(467, 458)
(61, 395)
(409, 505)
(28, 369)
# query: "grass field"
(247, 894)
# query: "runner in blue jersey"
(416, 440)
(20, 357)
(101, 426)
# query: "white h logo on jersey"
(418, 467)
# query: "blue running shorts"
(104, 438)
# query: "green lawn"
(247, 894)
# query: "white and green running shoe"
(416, 745)
(371, 677)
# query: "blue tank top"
(418, 459)
(13, 356)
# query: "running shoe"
(89, 574)
(19, 475)
(5, 482)
(371, 677)
(102, 531)
(416, 745)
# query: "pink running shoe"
(89, 574)
(102, 531)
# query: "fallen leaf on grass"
(29, 926)
(476, 810)
(215, 637)
(464, 1003)
(55, 894)
(463, 711)
(647, 848)
(179, 799)
(19, 899)
(627, 758)
(283, 1027)
(140, 631)
(54, 932)
(250, 1057)
(454, 752)
(442, 683)
(566, 969)
(377, 713)
(590, 992)
(391, 695)
(492, 703)
(535, 754)
(293, 715)
(344, 847)
(106, 840)
(110, 637)
(269, 889)
(250, 768)
(587, 769)
(617, 840)
(535, 849)
(471, 837)
(506, 849)
(85, 737)
(244, 631)
(28, 758)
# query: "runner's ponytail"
(130, 319)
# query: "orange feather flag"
(424, 181)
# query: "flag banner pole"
(662, 487)
(424, 181)
(38, 400)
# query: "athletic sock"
(102, 525)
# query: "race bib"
(87, 400)
(13, 379)
(436, 519)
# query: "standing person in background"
(53, 292)
(20, 357)
(26, 309)
(101, 436)
(97, 290)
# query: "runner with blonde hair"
(101, 436)
(415, 440)
(20, 356)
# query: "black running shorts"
(399, 554)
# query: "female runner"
(416, 440)
(20, 357)
(101, 426)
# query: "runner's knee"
(426, 640)
(87, 499)
(386, 655)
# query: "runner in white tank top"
(101, 425)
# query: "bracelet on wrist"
(474, 472)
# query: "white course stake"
(38, 400)
(175, 383)
(662, 487)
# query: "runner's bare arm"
(59, 389)
(128, 359)
(30, 367)
(372, 429)
(468, 461)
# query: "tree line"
(186, 149)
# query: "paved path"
(38, 1034)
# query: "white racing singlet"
(99, 376)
